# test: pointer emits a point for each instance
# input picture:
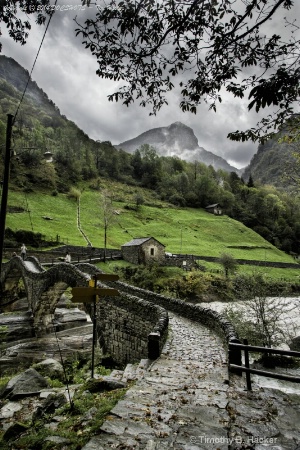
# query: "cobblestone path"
(180, 403)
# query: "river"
(288, 322)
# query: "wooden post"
(4, 196)
(153, 345)
(248, 375)
(235, 357)
(94, 328)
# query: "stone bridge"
(43, 287)
(130, 326)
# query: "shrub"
(229, 264)
(74, 194)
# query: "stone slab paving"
(184, 402)
(180, 403)
(264, 418)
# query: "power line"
(38, 52)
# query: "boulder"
(17, 326)
(9, 409)
(65, 318)
(51, 368)
(14, 431)
(57, 440)
(24, 354)
(104, 384)
(64, 315)
(49, 406)
(25, 384)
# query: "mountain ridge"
(276, 162)
(16, 75)
(268, 165)
(178, 140)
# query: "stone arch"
(44, 287)
(51, 286)
(87, 268)
(12, 272)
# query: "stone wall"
(77, 254)
(130, 328)
(205, 316)
(177, 259)
(153, 251)
(131, 254)
(184, 262)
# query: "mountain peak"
(178, 140)
(177, 124)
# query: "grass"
(73, 428)
(61, 210)
(269, 273)
(181, 230)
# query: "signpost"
(91, 294)
(88, 294)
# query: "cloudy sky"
(67, 73)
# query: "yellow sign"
(86, 299)
(106, 276)
(90, 294)
(103, 277)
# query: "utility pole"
(181, 239)
(94, 327)
(5, 187)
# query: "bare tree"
(263, 319)
(109, 215)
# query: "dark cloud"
(66, 71)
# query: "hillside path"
(180, 402)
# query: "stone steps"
(131, 372)
(134, 372)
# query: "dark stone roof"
(212, 206)
(139, 241)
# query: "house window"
(152, 251)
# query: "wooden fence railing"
(50, 260)
(246, 368)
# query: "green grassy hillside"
(181, 230)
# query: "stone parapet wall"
(77, 254)
(176, 260)
(131, 328)
(253, 262)
(205, 316)
(184, 262)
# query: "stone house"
(214, 209)
(143, 251)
